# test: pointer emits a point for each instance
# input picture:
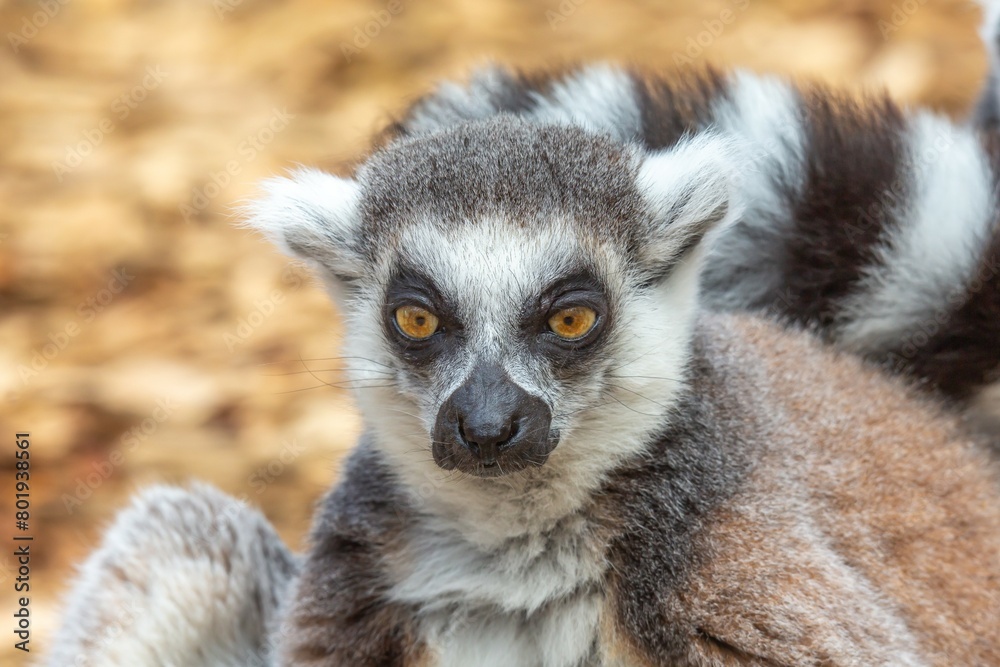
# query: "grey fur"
(184, 578)
(987, 110)
(501, 166)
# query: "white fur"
(763, 112)
(926, 263)
(598, 97)
(521, 575)
(519, 603)
(684, 187)
(311, 215)
(559, 637)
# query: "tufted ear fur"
(314, 216)
(689, 192)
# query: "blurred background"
(146, 339)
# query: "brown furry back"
(864, 528)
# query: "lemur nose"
(485, 439)
(490, 419)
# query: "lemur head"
(513, 292)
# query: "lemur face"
(504, 284)
(499, 332)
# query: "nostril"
(487, 440)
(468, 440)
(515, 428)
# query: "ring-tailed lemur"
(664, 487)
(566, 464)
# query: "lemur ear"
(689, 192)
(314, 216)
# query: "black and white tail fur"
(877, 229)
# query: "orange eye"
(573, 323)
(415, 322)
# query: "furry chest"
(534, 601)
(566, 634)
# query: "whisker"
(644, 377)
(573, 412)
(327, 384)
(316, 377)
(629, 363)
(408, 414)
(645, 398)
(303, 361)
(638, 412)
(326, 370)
(341, 384)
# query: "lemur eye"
(416, 322)
(573, 323)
